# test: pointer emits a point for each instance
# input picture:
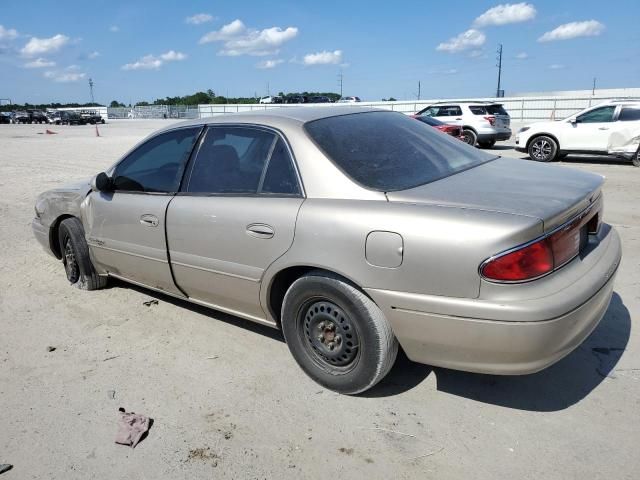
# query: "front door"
(235, 216)
(590, 131)
(125, 228)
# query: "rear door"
(125, 228)
(235, 215)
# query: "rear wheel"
(543, 149)
(636, 158)
(487, 144)
(338, 335)
(75, 256)
(469, 137)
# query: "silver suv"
(483, 123)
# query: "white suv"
(482, 122)
(611, 128)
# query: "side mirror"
(574, 121)
(102, 183)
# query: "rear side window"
(280, 176)
(157, 165)
(388, 151)
(448, 111)
(629, 114)
(478, 110)
(496, 110)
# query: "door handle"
(458, 119)
(149, 220)
(260, 230)
(603, 128)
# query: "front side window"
(232, 160)
(388, 151)
(157, 165)
(598, 115)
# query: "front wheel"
(543, 149)
(75, 256)
(338, 335)
(469, 137)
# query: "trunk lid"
(550, 193)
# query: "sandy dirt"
(227, 399)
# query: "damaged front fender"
(624, 143)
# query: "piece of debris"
(50, 132)
(110, 358)
(5, 467)
(51, 349)
(213, 358)
(148, 303)
(204, 454)
(111, 394)
(132, 428)
(427, 454)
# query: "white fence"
(520, 108)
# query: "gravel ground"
(227, 399)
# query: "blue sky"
(143, 50)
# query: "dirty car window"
(389, 151)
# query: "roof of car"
(299, 114)
(473, 102)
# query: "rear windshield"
(389, 151)
(488, 110)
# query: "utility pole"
(340, 79)
(91, 90)
(418, 89)
(593, 92)
(268, 93)
(499, 65)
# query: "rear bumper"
(507, 337)
(494, 136)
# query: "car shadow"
(501, 147)
(595, 159)
(264, 330)
(555, 388)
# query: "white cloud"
(589, 28)
(199, 18)
(239, 40)
(73, 67)
(172, 56)
(40, 63)
(151, 62)
(323, 58)
(556, 66)
(93, 55)
(472, 38)
(8, 33)
(266, 64)
(39, 46)
(522, 55)
(64, 77)
(506, 13)
(476, 54)
(114, 28)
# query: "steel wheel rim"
(541, 149)
(328, 335)
(70, 264)
(468, 138)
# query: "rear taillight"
(491, 120)
(543, 256)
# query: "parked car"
(271, 99)
(296, 99)
(453, 130)
(68, 117)
(354, 231)
(349, 100)
(319, 99)
(21, 116)
(611, 128)
(53, 117)
(483, 123)
(5, 118)
(93, 117)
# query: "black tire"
(542, 149)
(75, 256)
(636, 158)
(469, 137)
(487, 144)
(338, 335)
